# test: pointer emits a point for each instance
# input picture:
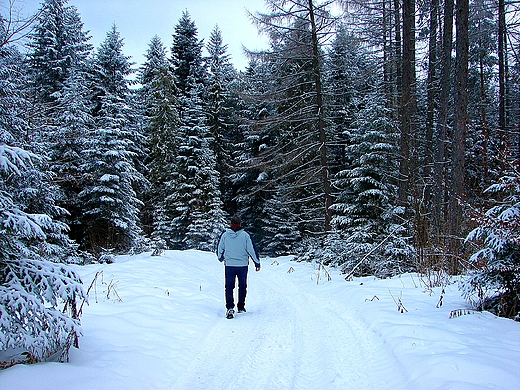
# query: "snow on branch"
(13, 159)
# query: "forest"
(377, 136)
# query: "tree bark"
(398, 53)
(423, 220)
(459, 133)
(501, 69)
(432, 88)
(408, 102)
(439, 166)
(483, 119)
(321, 122)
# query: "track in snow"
(289, 339)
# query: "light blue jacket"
(236, 247)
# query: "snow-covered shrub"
(158, 245)
(494, 284)
(106, 256)
(361, 255)
(328, 251)
(35, 297)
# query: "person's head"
(236, 223)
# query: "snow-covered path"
(288, 340)
(158, 323)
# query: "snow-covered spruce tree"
(154, 64)
(195, 201)
(58, 44)
(186, 59)
(110, 201)
(199, 218)
(69, 137)
(38, 292)
(57, 58)
(350, 74)
(155, 100)
(221, 109)
(159, 95)
(364, 212)
(494, 284)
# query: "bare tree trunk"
(321, 123)
(501, 70)
(483, 119)
(432, 91)
(398, 53)
(387, 54)
(439, 166)
(432, 87)
(459, 133)
(408, 102)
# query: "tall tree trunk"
(321, 122)
(430, 118)
(439, 171)
(432, 86)
(387, 54)
(501, 71)
(483, 118)
(398, 54)
(459, 133)
(408, 103)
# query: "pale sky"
(139, 20)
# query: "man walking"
(235, 247)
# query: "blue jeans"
(232, 273)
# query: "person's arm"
(253, 252)
(221, 247)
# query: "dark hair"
(236, 220)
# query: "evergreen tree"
(157, 100)
(59, 48)
(495, 282)
(363, 158)
(197, 204)
(194, 199)
(186, 53)
(111, 203)
(70, 138)
(155, 63)
(350, 74)
(110, 69)
(38, 292)
(248, 179)
(162, 110)
(58, 45)
(482, 142)
(221, 108)
(365, 212)
(281, 234)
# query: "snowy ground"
(158, 323)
